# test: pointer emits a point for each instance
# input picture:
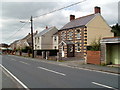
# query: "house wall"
(37, 42)
(97, 28)
(47, 39)
(82, 40)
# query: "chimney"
(46, 27)
(36, 31)
(97, 10)
(72, 17)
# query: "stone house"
(76, 35)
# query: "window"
(78, 33)
(38, 39)
(55, 38)
(78, 47)
(63, 35)
(70, 35)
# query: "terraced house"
(76, 35)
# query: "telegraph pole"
(32, 36)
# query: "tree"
(116, 30)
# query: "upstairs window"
(63, 35)
(70, 35)
(38, 39)
(55, 38)
(78, 33)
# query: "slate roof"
(81, 21)
(44, 31)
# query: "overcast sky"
(13, 12)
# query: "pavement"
(81, 64)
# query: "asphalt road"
(37, 74)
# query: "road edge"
(15, 78)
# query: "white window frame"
(55, 38)
(78, 33)
(63, 35)
(38, 40)
(70, 35)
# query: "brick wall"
(93, 57)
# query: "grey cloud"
(24, 10)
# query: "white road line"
(15, 78)
(52, 71)
(24, 62)
(78, 68)
(103, 85)
(13, 59)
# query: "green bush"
(27, 49)
(95, 45)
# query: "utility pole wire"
(60, 8)
(46, 14)
(16, 32)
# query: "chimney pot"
(97, 10)
(72, 17)
(46, 27)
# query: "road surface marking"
(15, 77)
(76, 67)
(103, 85)
(13, 59)
(24, 62)
(52, 71)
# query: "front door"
(63, 51)
(70, 50)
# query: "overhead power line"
(16, 32)
(60, 9)
(44, 15)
